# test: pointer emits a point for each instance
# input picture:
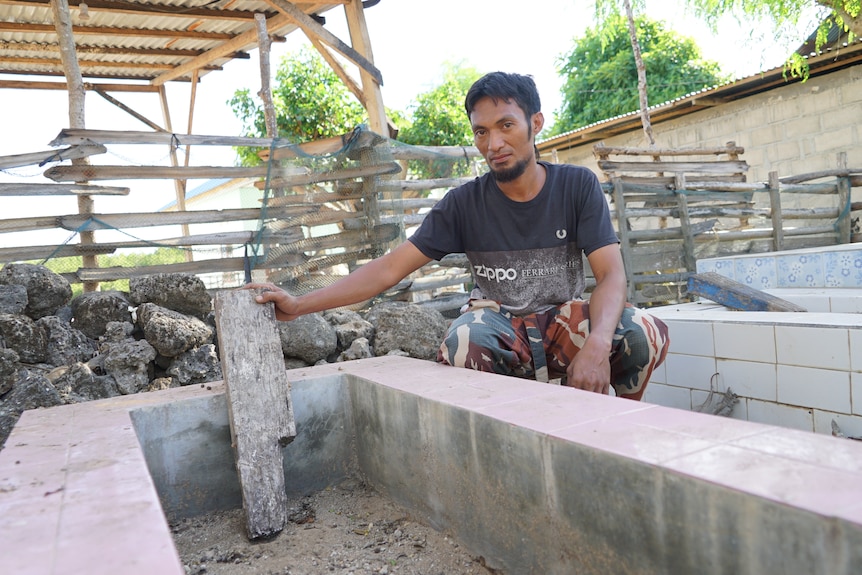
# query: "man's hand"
(286, 305)
(590, 370)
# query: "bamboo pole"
(265, 93)
(179, 184)
(76, 93)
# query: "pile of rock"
(55, 349)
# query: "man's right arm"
(363, 283)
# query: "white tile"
(812, 303)
(782, 415)
(749, 378)
(744, 341)
(691, 337)
(659, 374)
(823, 347)
(856, 393)
(668, 396)
(693, 371)
(849, 425)
(841, 303)
(856, 349)
(818, 388)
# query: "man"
(523, 226)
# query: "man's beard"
(509, 174)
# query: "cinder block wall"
(795, 129)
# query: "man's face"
(504, 137)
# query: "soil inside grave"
(348, 529)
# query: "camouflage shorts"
(541, 346)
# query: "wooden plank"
(623, 231)
(80, 222)
(34, 189)
(259, 406)
(601, 150)
(42, 158)
(278, 181)
(685, 225)
(89, 173)
(726, 167)
(735, 295)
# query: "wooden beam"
(237, 43)
(361, 40)
(277, 181)
(602, 151)
(338, 69)
(89, 222)
(111, 50)
(316, 147)
(27, 85)
(259, 406)
(312, 28)
(40, 189)
(721, 167)
(129, 111)
(29, 27)
(83, 62)
(735, 295)
(41, 158)
(72, 72)
(78, 173)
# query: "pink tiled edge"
(76, 496)
(78, 472)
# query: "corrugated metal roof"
(834, 56)
(118, 39)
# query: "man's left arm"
(591, 369)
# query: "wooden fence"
(671, 207)
(675, 206)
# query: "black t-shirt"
(525, 255)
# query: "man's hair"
(507, 87)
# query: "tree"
(310, 102)
(438, 118)
(601, 73)
(845, 14)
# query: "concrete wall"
(187, 446)
(535, 478)
(795, 129)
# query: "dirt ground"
(346, 530)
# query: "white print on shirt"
(511, 274)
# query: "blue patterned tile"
(722, 267)
(757, 272)
(801, 270)
(843, 268)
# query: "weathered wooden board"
(41, 189)
(736, 295)
(41, 158)
(259, 406)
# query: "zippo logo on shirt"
(496, 274)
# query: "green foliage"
(127, 260)
(310, 102)
(439, 119)
(601, 75)
(845, 14)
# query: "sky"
(410, 48)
